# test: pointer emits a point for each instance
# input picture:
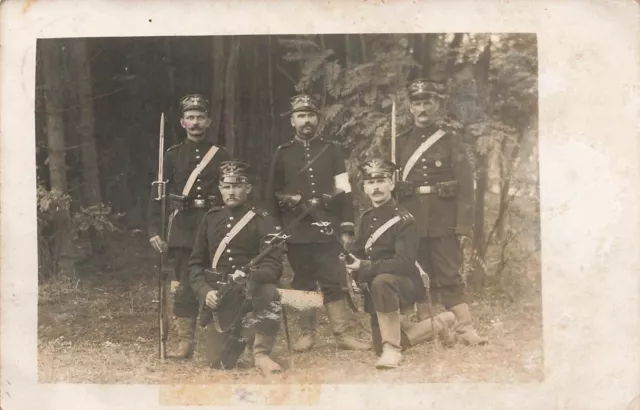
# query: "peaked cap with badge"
(303, 102)
(195, 102)
(421, 88)
(377, 168)
(234, 172)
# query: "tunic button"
(199, 188)
(310, 169)
(423, 160)
(313, 192)
(375, 219)
(199, 196)
(197, 156)
(230, 258)
(231, 218)
(438, 164)
(313, 183)
(233, 266)
(228, 225)
(228, 250)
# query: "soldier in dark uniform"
(302, 169)
(218, 248)
(385, 263)
(436, 187)
(191, 171)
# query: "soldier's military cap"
(421, 88)
(234, 172)
(377, 168)
(195, 102)
(303, 102)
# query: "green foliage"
(96, 217)
(51, 202)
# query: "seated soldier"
(385, 265)
(227, 239)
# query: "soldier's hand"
(239, 276)
(212, 299)
(158, 244)
(346, 239)
(353, 266)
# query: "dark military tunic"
(312, 249)
(179, 161)
(318, 179)
(446, 160)
(393, 253)
(247, 244)
(440, 216)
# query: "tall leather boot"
(390, 334)
(262, 347)
(186, 329)
(464, 328)
(339, 317)
(308, 319)
(246, 360)
(425, 330)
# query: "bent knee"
(383, 280)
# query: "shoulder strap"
(198, 169)
(229, 237)
(314, 159)
(382, 229)
(421, 150)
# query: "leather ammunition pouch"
(447, 189)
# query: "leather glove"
(404, 189)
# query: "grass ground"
(102, 328)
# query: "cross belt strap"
(435, 137)
(382, 229)
(198, 169)
(229, 237)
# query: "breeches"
(185, 302)
(318, 263)
(441, 258)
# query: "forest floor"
(102, 327)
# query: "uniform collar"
(239, 210)
(390, 205)
(306, 143)
(197, 143)
(426, 131)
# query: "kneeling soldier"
(386, 250)
(228, 238)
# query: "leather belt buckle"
(426, 189)
(199, 203)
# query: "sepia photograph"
(364, 204)
(331, 208)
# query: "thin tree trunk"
(217, 93)
(453, 52)
(347, 52)
(89, 155)
(272, 112)
(363, 45)
(230, 95)
(52, 74)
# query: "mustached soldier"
(385, 253)
(191, 170)
(436, 187)
(303, 169)
(228, 238)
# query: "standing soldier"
(436, 187)
(191, 170)
(306, 168)
(385, 264)
(228, 238)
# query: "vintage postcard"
(364, 204)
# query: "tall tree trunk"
(363, 45)
(453, 52)
(52, 73)
(91, 196)
(482, 83)
(348, 57)
(217, 93)
(230, 95)
(272, 108)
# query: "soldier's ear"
(291, 121)
(182, 123)
(249, 187)
(207, 122)
(392, 184)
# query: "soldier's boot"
(425, 330)
(246, 360)
(464, 328)
(308, 320)
(390, 334)
(186, 330)
(340, 319)
(262, 347)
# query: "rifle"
(163, 314)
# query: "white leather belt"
(426, 189)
